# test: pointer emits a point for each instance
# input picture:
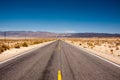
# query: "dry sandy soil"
(12, 52)
(108, 48)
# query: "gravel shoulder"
(113, 58)
(15, 52)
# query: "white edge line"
(95, 55)
(105, 60)
(23, 53)
(102, 58)
(17, 56)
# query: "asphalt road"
(45, 62)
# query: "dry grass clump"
(111, 51)
(38, 41)
(17, 43)
(91, 45)
(3, 47)
(24, 44)
(117, 48)
(117, 45)
(107, 45)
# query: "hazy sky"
(60, 15)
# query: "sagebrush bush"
(25, 44)
(4, 47)
(17, 45)
(118, 44)
(1, 50)
(117, 48)
(90, 44)
(111, 51)
(36, 42)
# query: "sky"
(60, 16)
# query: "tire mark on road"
(69, 66)
(47, 71)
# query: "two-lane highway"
(58, 61)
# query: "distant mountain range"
(37, 34)
(42, 34)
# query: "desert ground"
(12, 47)
(106, 47)
(70, 58)
(57, 60)
(6, 44)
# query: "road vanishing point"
(58, 61)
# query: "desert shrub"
(1, 50)
(3, 47)
(91, 45)
(25, 44)
(118, 54)
(111, 51)
(41, 41)
(6, 47)
(72, 42)
(36, 42)
(17, 45)
(97, 43)
(109, 46)
(117, 44)
(117, 48)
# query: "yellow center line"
(59, 75)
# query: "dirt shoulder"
(14, 52)
(111, 57)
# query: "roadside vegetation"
(103, 45)
(18, 43)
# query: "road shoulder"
(109, 58)
(13, 53)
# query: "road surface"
(58, 58)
